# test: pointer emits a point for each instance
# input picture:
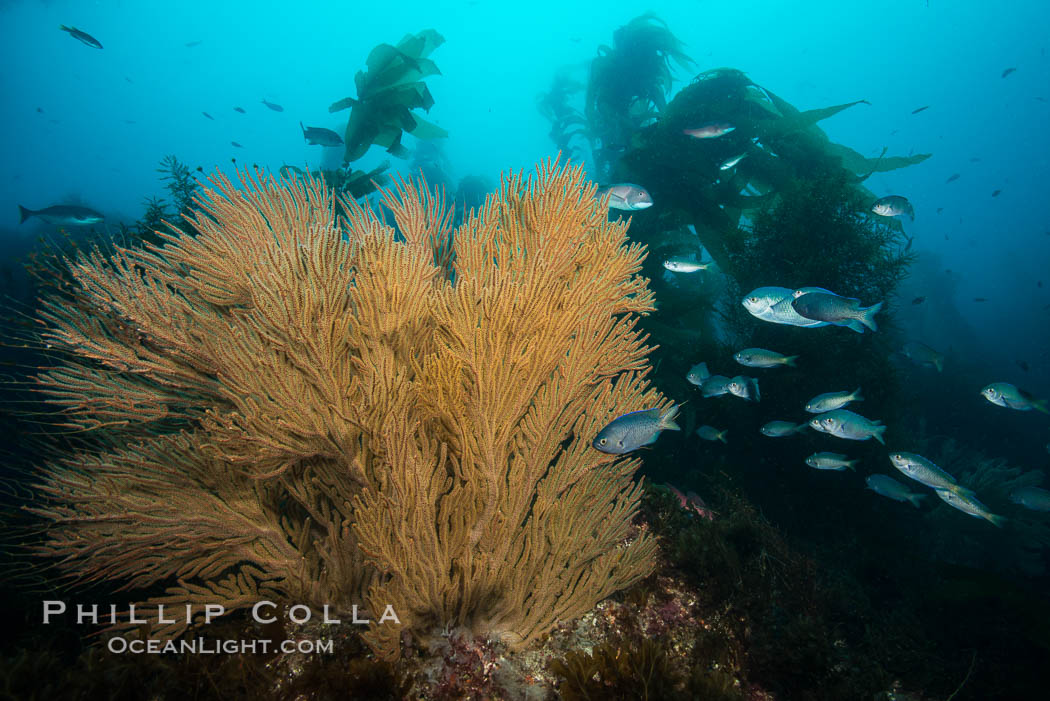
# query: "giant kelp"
(629, 83)
(388, 93)
(783, 145)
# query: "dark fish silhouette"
(924, 107)
(953, 176)
(980, 299)
(996, 193)
(83, 37)
(273, 106)
(62, 215)
(236, 144)
(975, 159)
(239, 109)
(319, 136)
(1039, 283)
(918, 300)
(940, 209)
(208, 116)
(191, 44)
(1022, 364)
(40, 110)
(1007, 72)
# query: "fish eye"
(753, 300)
(602, 441)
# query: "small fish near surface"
(968, 504)
(918, 300)
(82, 37)
(272, 105)
(208, 116)
(710, 433)
(892, 489)
(996, 193)
(627, 196)
(62, 215)
(1023, 364)
(831, 461)
(319, 136)
(697, 374)
(952, 177)
(780, 429)
(239, 109)
(843, 423)
(980, 299)
(635, 429)
(925, 471)
(922, 354)
(1007, 72)
(744, 387)
(711, 130)
(893, 206)
(837, 310)
(1009, 396)
(235, 144)
(921, 109)
(680, 264)
(1034, 498)
(762, 358)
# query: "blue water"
(899, 55)
(89, 126)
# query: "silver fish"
(685, 265)
(711, 130)
(922, 470)
(893, 206)
(892, 489)
(1034, 498)
(779, 429)
(745, 388)
(697, 374)
(843, 423)
(715, 386)
(829, 401)
(275, 107)
(710, 433)
(62, 215)
(830, 461)
(635, 429)
(762, 358)
(627, 196)
(773, 304)
(730, 162)
(837, 310)
(1007, 395)
(968, 504)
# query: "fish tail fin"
(1040, 405)
(939, 364)
(996, 521)
(915, 499)
(758, 395)
(857, 396)
(302, 127)
(962, 491)
(854, 325)
(24, 214)
(877, 434)
(722, 436)
(667, 419)
(851, 465)
(64, 28)
(790, 361)
(867, 316)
